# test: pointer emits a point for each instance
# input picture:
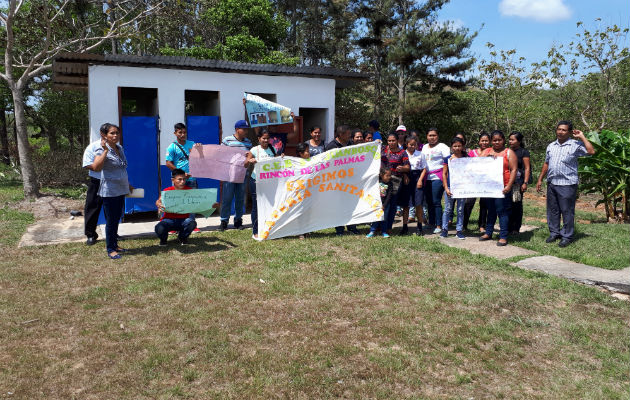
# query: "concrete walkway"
(71, 230)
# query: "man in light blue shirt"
(178, 152)
(232, 190)
(561, 168)
(93, 202)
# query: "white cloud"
(538, 10)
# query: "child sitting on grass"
(385, 186)
(182, 223)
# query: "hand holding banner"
(476, 177)
(222, 163)
(195, 201)
(263, 112)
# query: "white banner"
(334, 188)
(476, 177)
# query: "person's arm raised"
(99, 160)
(589, 146)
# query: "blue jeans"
(184, 226)
(501, 208)
(382, 225)
(390, 212)
(252, 191)
(231, 191)
(448, 212)
(113, 210)
(433, 194)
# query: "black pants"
(561, 202)
(93, 204)
(483, 213)
(516, 217)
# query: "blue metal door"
(140, 141)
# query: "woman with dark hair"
(112, 164)
(500, 207)
(357, 136)
(411, 193)
(315, 143)
(397, 160)
(523, 177)
(484, 143)
(261, 152)
(434, 153)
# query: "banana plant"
(608, 172)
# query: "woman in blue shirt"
(111, 162)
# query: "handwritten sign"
(195, 201)
(337, 187)
(262, 112)
(222, 163)
(476, 177)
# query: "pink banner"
(218, 162)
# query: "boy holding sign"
(182, 223)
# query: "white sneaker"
(437, 230)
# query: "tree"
(34, 32)
(246, 31)
(585, 74)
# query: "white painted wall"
(293, 92)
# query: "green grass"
(335, 317)
(597, 243)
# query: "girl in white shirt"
(412, 193)
(434, 153)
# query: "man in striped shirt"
(561, 168)
(233, 190)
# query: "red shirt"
(173, 215)
(392, 160)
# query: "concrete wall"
(293, 92)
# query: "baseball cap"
(401, 128)
(241, 124)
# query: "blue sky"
(532, 26)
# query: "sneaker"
(370, 234)
(437, 230)
(385, 235)
(238, 224)
(172, 232)
(223, 226)
(460, 235)
(354, 231)
(162, 243)
(444, 233)
(404, 230)
(196, 230)
(418, 232)
(183, 242)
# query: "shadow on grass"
(195, 245)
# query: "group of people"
(414, 178)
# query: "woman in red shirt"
(500, 207)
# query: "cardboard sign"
(193, 201)
(476, 177)
(263, 112)
(222, 163)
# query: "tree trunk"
(401, 94)
(29, 177)
(4, 138)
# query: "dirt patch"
(49, 207)
(585, 203)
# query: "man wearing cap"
(373, 127)
(232, 190)
(401, 134)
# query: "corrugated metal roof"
(76, 64)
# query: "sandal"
(484, 237)
(121, 250)
(116, 257)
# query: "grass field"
(326, 317)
